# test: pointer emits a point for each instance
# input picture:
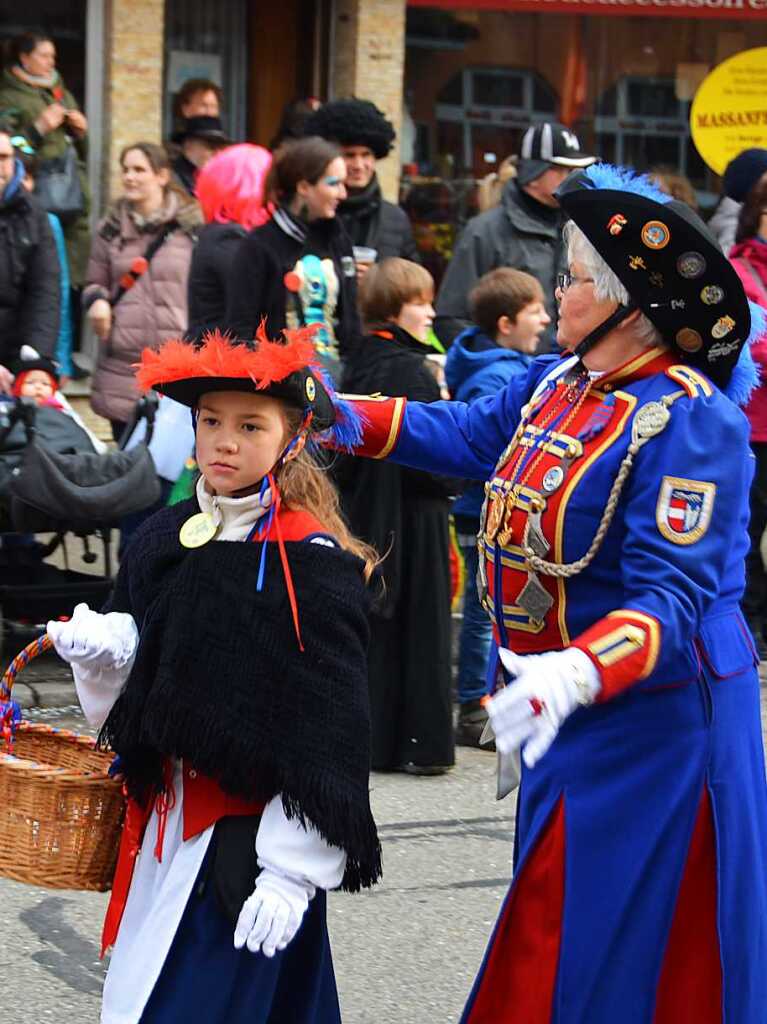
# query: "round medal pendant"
(197, 530)
(553, 479)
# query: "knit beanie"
(743, 172)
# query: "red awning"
(733, 9)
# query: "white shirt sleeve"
(283, 845)
(98, 689)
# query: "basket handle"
(20, 662)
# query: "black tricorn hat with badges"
(288, 369)
(669, 263)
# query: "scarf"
(290, 225)
(359, 212)
(37, 81)
(219, 681)
(234, 517)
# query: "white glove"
(548, 688)
(95, 641)
(270, 918)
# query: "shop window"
(641, 123)
(482, 114)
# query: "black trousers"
(755, 596)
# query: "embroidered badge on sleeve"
(684, 508)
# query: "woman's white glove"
(270, 918)
(548, 687)
(94, 641)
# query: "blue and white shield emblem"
(684, 508)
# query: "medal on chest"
(197, 530)
(545, 434)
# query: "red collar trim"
(655, 360)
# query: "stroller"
(52, 481)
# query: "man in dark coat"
(198, 140)
(29, 268)
(365, 136)
(523, 232)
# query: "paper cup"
(364, 254)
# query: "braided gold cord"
(568, 569)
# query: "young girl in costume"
(228, 672)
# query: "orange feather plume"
(217, 357)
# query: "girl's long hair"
(305, 485)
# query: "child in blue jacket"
(507, 307)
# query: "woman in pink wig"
(230, 190)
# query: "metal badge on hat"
(711, 295)
(655, 234)
(691, 265)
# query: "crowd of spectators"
(210, 233)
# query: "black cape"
(219, 680)
(404, 514)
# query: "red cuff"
(624, 648)
(382, 422)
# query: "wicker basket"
(60, 813)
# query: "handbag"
(58, 188)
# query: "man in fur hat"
(365, 136)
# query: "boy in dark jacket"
(508, 308)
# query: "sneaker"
(472, 719)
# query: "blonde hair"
(490, 189)
(388, 285)
(305, 485)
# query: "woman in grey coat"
(133, 302)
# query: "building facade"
(460, 83)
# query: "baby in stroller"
(37, 377)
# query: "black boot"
(472, 719)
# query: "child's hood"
(472, 351)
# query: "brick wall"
(134, 65)
(369, 63)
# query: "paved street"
(405, 953)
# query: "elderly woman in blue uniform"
(612, 547)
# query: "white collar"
(234, 516)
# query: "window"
(482, 113)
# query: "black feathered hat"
(668, 262)
(353, 122)
(287, 369)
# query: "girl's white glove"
(270, 918)
(94, 641)
(548, 688)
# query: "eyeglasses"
(566, 279)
